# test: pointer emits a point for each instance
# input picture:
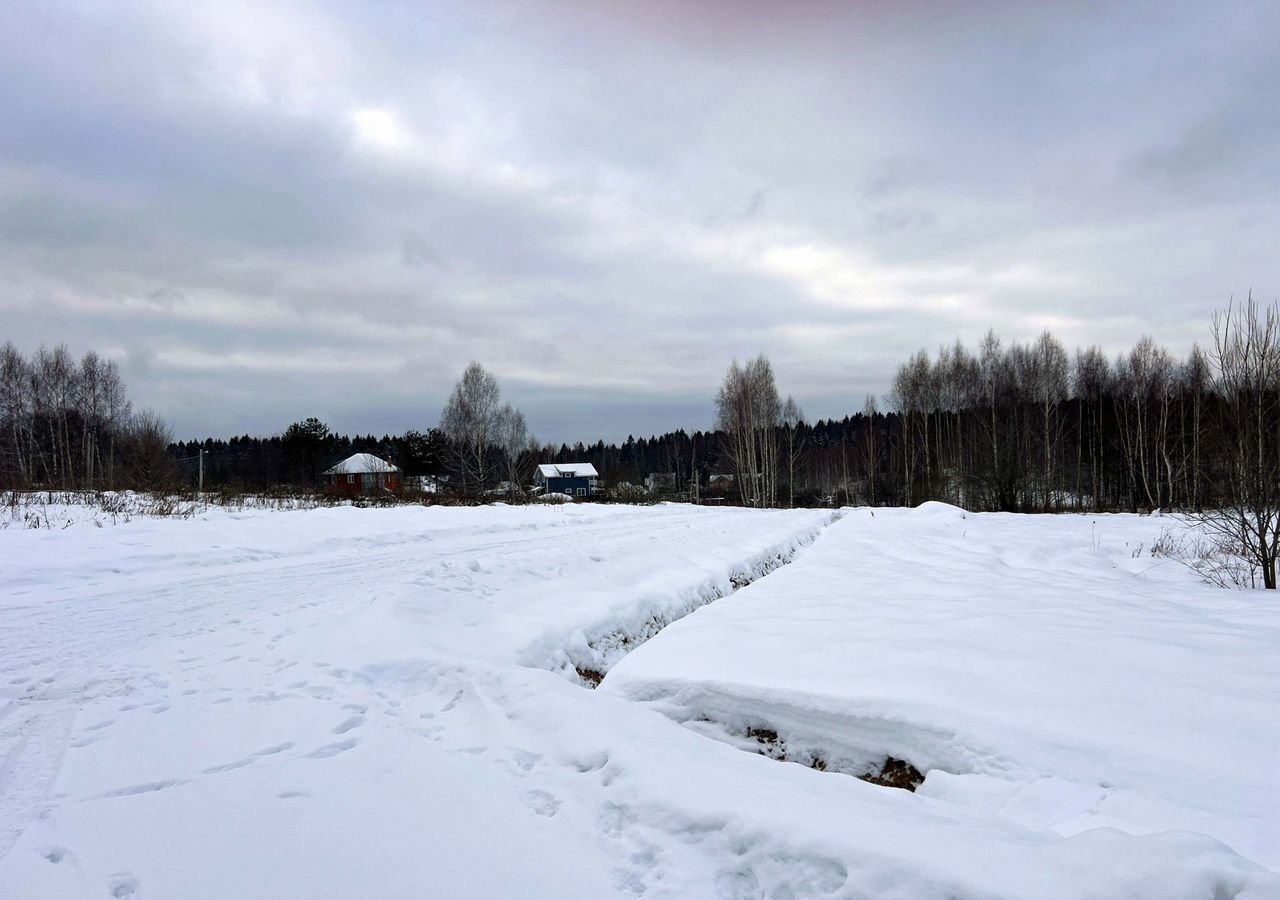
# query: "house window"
(351, 479)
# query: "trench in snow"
(606, 646)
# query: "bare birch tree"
(1246, 362)
(792, 419)
(470, 422)
(15, 411)
(748, 412)
(870, 446)
(1049, 390)
(518, 448)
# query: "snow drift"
(352, 702)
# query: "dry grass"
(62, 509)
(1214, 557)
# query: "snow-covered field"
(339, 703)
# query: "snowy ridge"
(1043, 674)
(587, 654)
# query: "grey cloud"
(893, 175)
(417, 252)
(1232, 144)
(606, 203)
(899, 218)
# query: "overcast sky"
(270, 211)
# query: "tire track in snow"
(116, 621)
(34, 732)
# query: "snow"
(386, 702)
(1049, 677)
(553, 497)
(567, 470)
(359, 463)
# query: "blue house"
(574, 479)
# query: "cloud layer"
(329, 209)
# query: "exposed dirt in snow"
(896, 773)
(590, 677)
(887, 772)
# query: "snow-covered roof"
(359, 463)
(568, 470)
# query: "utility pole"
(200, 490)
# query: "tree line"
(1034, 428)
(1031, 427)
(1001, 426)
(294, 459)
(67, 423)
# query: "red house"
(362, 473)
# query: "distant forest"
(1015, 427)
(307, 448)
(1018, 427)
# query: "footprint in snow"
(543, 803)
(525, 760)
(333, 749)
(277, 748)
(593, 763)
(123, 885)
(227, 767)
(149, 787)
(348, 724)
(739, 883)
